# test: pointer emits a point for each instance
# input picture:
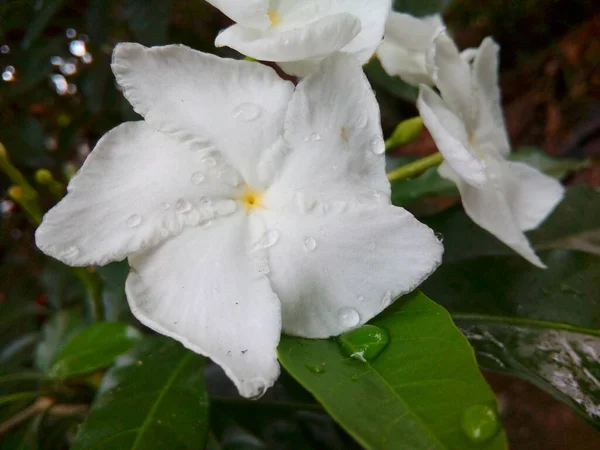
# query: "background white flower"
(298, 34)
(505, 198)
(406, 41)
(244, 206)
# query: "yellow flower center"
(252, 199)
(274, 17)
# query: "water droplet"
(205, 202)
(259, 386)
(310, 244)
(364, 343)
(269, 239)
(362, 120)
(360, 298)
(69, 252)
(134, 220)
(315, 137)
(377, 145)
(225, 207)
(349, 317)
(182, 206)
(247, 111)
(480, 423)
(386, 299)
(209, 162)
(316, 368)
(165, 205)
(197, 178)
(372, 246)
(439, 236)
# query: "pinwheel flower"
(298, 34)
(245, 206)
(503, 197)
(404, 48)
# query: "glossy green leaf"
(93, 348)
(154, 398)
(55, 332)
(413, 395)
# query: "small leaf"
(412, 395)
(555, 167)
(93, 348)
(154, 398)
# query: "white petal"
(136, 188)
(412, 33)
(532, 195)
(450, 136)
(236, 106)
(397, 61)
(335, 271)
(206, 290)
(334, 136)
(489, 207)
(251, 13)
(452, 76)
(312, 40)
(300, 68)
(490, 126)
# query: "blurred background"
(58, 97)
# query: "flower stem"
(415, 167)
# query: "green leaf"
(540, 325)
(24, 438)
(405, 192)
(394, 85)
(413, 395)
(555, 167)
(154, 398)
(55, 332)
(93, 348)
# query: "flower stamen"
(251, 199)
(274, 17)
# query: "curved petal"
(137, 187)
(335, 271)
(453, 78)
(206, 290)
(450, 136)
(251, 13)
(412, 33)
(397, 61)
(237, 107)
(490, 121)
(310, 41)
(333, 136)
(302, 68)
(532, 195)
(490, 208)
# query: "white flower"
(244, 206)
(505, 198)
(298, 34)
(404, 48)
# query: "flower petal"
(137, 187)
(412, 33)
(333, 132)
(335, 271)
(251, 13)
(490, 208)
(452, 76)
(204, 289)
(490, 121)
(450, 136)
(234, 106)
(312, 40)
(531, 194)
(397, 61)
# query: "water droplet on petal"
(316, 368)
(182, 206)
(377, 145)
(165, 205)
(269, 239)
(364, 343)
(372, 246)
(204, 202)
(209, 162)
(349, 317)
(386, 299)
(246, 112)
(197, 178)
(260, 387)
(310, 244)
(480, 423)
(134, 220)
(362, 120)
(360, 298)
(315, 137)
(69, 252)
(225, 207)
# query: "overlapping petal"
(205, 101)
(136, 188)
(335, 268)
(208, 289)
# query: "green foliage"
(411, 396)
(153, 398)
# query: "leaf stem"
(415, 167)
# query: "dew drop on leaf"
(316, 368)
(480, 423)
(364, 343)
